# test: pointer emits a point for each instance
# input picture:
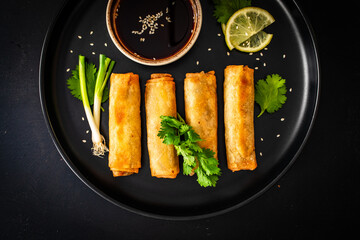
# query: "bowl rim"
(162, 61)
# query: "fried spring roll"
(201, 107)
(124, 124)
(160, 100)
(239, 117)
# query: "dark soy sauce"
(154, 29)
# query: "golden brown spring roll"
(160, 100)
(239, 118)
(124, 124)
(201, 107)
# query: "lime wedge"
(255, 43)
(245, 23)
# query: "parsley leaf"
(224, 9)
(196, 159)
(73, 83)
(270, 93)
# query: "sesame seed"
(265, 48)
(261, 54)
(105, 44)
(250, 53)
(71, 51)
(197, 62)
(68, 70)
(173, 3)
(91, 44)
(260, 153)
(91, 32)
(80, 37)
(162, 25)
(154, 58)
(282, 119)
(264, 64)
(290, 90)
(82, 118)
(93, 53)
(87, 131)
(284, 56)
(84, 141)
(228, 53)
(278, 135)
(209, 49)
(219, 34)
(261, 139)
(257, 59)
(256, 68)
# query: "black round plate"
(80, 29)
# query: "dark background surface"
(41, 198)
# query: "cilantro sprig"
(197, 160)
(225, 8)
(73, 83)
(270, 93)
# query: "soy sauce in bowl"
(154, 32)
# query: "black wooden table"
(41, 198)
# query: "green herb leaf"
(270, 93)
(196, 159)
(224, 9)
(73, 83)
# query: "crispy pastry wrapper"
(239, 117)
(124, 124)
(160, 100)
(201, 107)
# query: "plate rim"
(128, 208)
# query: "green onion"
(99, 146)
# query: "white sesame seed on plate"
(91, 32)
(91, 44)
(79, 37)
(265, 48)
(278, 135)
(250, 53)
(257, 59)
(282, 119)
(256, 68)
(264, 64)
(84, 141)
(209, 49)
(71, 51)
(228, 53)
(87, 131)
(261, 139)
(290, 90)
(261, 54)
(284, 56)
(260, 153)
(197, 62)
(68, 70)
(93, 53)
(219, 34)
(105, 44)
(82, 118)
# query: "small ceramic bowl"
(142, 33)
